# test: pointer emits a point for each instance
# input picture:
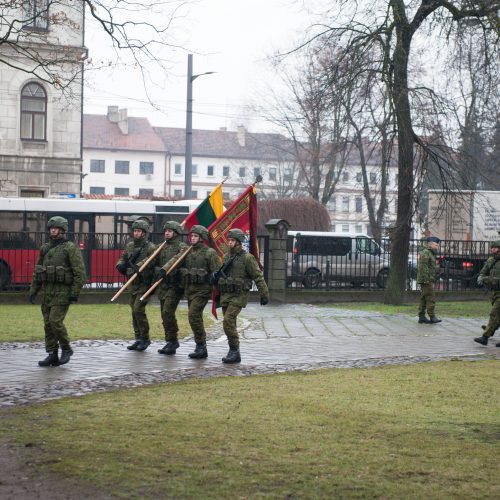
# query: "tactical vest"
(237, 280)
(195, 270)
(493, 281)
(55, 266)
(146, 249)
(170, 250)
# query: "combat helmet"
(59, 222)
(202, 231)
(237, 234)
(173, 225)
(432, 239)
(495, 243)
(140, 224)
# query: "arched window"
(33, 112)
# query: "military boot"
(143, 345)
(435, 319)
(51, 360)
(169, 348)
(422, 318)
(497, 344)
(483, 340)
(200, 351)
(233, 356)
(134, 346)
(65, 355)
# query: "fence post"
(278, 232)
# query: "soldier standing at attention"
(490, 277)
(199, 264)
(135, 253)
(170, 291)
(426, 277)
(59, 273)
(239, 270)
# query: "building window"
(359, 177)
(121, 167)
(146, 193)
(32, 193)
(33, 112)
(194, 169)
(97, 190)
(359, 205)
(210, 170)
(345, 228)
(242, 171)
(345, 176)
(36, 14)
(373, 178)
(334, 227)
(225, 171)
(121, 191)
(272, 173)
(287, 174)
(225, 195)
(177, 193)
(256, 171)
(345, 204)
(194, 195)
(97, 166)
(177, 169)
(358, 228)
(332, 204)
(146, 168)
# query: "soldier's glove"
(162, 274)
(32, 298)
(73, 298)
(122, 268)
(214, 278)
(480, 280)
(264, 301)
(134, 267)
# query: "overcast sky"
(230, 37)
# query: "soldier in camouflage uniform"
(490, 277)
(238, 271)
(60, 274)
(426, 276)
(135, 254)
(170, 291)
(199, 264)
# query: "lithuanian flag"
(208, 211)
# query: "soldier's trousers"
(494, 321)
(139, 318)
(168, 307)
(229, 324)
(55, 332)
(195, 316)
(427, 299)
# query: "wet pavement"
(274, 339)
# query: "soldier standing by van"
(170, 291)
(199, 264)
(135, 253)
(60, 274)
(490, 277)
(426, 277)
(235, 277)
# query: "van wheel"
(312, 278)
(382, 278)
(5, 275)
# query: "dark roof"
(225, 144)
(100, 133)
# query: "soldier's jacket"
(427, 266)
(243, 271)
(200, 262)
(146, 248)
(172, 285)
(59, 272)
(491, 274)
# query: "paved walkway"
(274, 339)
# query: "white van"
(315, 257)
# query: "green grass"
(418, 431)
(458, 309)
(24, 323)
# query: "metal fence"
(19, 254)
(341, 262)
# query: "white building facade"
(40, 131)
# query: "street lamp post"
(188, 171)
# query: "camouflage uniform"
(426, 277)
(170, 291)
(59, 273)
(136, 252)
(235, 287)
(490, 277)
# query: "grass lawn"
(417, 431)
(23, 323)
(458, 309)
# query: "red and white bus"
(99, 227)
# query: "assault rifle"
(221, 273)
